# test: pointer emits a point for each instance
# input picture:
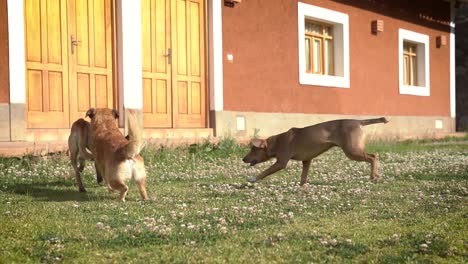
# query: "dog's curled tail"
(374, 121)
(135, 137)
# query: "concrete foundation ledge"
(4, 122)
(20, 149)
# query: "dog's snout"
(245, 160)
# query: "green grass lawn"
(202, 210)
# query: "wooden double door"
(173, 60)
(69, 60)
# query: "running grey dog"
(306, 143)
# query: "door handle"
(73, 42)
(168, 55)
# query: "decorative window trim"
(422, 42)
(340, 22)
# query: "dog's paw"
(251, 179)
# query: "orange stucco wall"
(4, 68)
(263, 76)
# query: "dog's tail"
(86, 153)
(135, 137)
(373, 121)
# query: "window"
(318, 48)
(410, 63)
(413, 63)
(323, 47)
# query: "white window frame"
(340, 22)
(422, 42)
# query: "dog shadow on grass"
(58, 191)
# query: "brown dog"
(79, 143)
(117, 159)
(306, 143)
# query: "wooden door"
(91, 55)
(47, 89)
(156, 60)
(174, 63)
(69, 57)
(188, 63)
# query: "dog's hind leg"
(78, 175)
(82, 164)
(353, 146)
(361, 155)
(139, 176)
(142, 188)
(78, 170)
(305, 171)
(374, 167)
(121, 187)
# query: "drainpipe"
(452, 65)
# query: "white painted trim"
(17, 53)
(423, 87)
(215, 52)
(452, 60)
(129, 55)
(341, 46)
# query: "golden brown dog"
(79, 143)
(306, 143)
(117, 159)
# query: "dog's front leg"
(305, 171)
(279, 165)
(98, 174)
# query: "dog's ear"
(115, 113)
(259, 143)
(91, 113)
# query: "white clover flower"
(423, 247)
(223, 229)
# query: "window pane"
(414, 75)
(319, 47)
(328, 57)
(409, 48)
(317, 51)
(410, 64)
(307, 54)
(406, 69)
(405, 47)
(311, 27)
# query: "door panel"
(157, 93)
(173, 83)
(46, 64)
(91, 57)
